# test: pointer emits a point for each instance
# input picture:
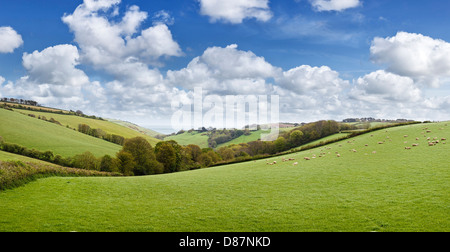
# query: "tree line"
(99, 133)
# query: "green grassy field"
(187, 138)
(380, 187)
(109, 127)
(44, 136)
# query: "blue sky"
(323, 56)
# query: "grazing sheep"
(307, 158)
(415, 145)
(296, 163)
(338, 155)
(430, 144)
(405, 136)
(443, 139)
(374, 152)
(417, 139)
(407, 148)
(274, 162)
(380, 142)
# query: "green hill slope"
(186, 138)
(44, 136)
(109, 127)
(370, 187)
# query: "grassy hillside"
(370, 187)
(186, 138)
(6, 156)
(44, 136)
(135, 127)
(109, 127)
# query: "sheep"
(307, 158)
(380, 142)
(407, 148)
(296, 163)
(430, 144)
(338, 155)
(415, 145)
(274, 162)
(405, 136)
(374, 152)
(443, 139)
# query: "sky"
(324, 59)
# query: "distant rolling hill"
(109, 127)
(38, 134)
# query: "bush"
(86, 161)
(15, 174)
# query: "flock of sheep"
(432, 141)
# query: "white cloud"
(382, 87)
(53, 79)
(334, 5)
(225, 70)
(55, 65)
(235, 11)
(420, 57)
(163, 17)
(321, 80)
(104, 42)
(10, 40)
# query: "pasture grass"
(197, 138)
(109, 127)
(378, 188)
(45, 136)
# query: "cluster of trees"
(20, 101)
(99, 133)
(20, 150)
(24, 104)
(217, 137)
(138, 158)
(51, 120)
(286, 141)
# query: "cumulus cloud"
(53, 79)
(321, 80)
(225, 70)
(55, 65)
(422, 58)
(382, 87)
(235, 11)
(10, 40)
(334, 5)
(105, 43)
